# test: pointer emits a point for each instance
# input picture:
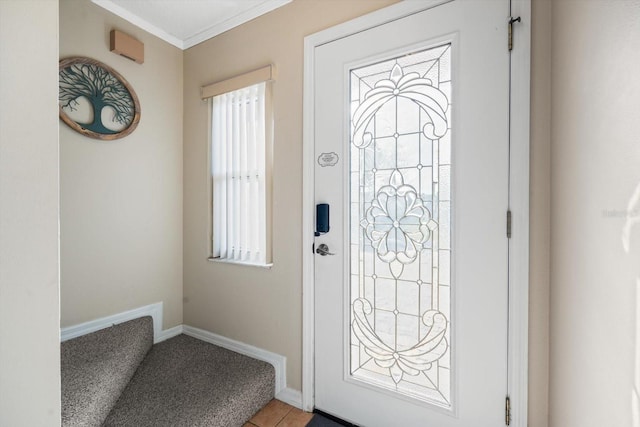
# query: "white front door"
(411, 148)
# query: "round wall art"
(96, 100)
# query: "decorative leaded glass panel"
(400, 224)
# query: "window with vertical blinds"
(239, 175)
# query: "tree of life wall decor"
(96, 100)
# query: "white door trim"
(519, 194)
(518, 357)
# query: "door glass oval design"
(400, 230)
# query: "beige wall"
(253, 305)
(539, 213)
(595, 132)
(121, 201)
(29, 276)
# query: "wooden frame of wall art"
(95, 100)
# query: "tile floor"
(279, 414)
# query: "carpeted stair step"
(97, 367)
(187, 382)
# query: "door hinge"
(512, 20)
(507, 411)
(508, 224)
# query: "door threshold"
(328, 420)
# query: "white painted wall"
(29, 275)
(595, 158)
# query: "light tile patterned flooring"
(279, 414)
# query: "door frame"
(518, 333)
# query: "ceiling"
(185, 23)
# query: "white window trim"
(268, 266)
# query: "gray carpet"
(187, 382)
(96, 368)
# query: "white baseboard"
(278, 361)
(153, 310)
(291, 396)
(169, 333)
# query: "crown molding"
(198, 37)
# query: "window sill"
(243, 263)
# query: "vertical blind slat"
(243, 210)
(260, 173)
(229, 201)
(215, 156)
(224, 173)
(234, 148)
(252, 172)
